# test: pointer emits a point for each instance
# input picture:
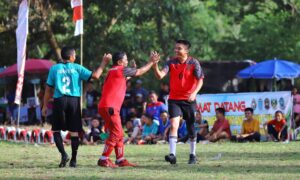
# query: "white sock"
(172, 144)
(193, 146)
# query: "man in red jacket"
(113, 94)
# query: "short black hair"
(118, 56)
(221, 110)
(185, 42)
(249, 109)
(280, 112)
(67, 52)
(148, 116)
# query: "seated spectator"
(155, 107)
(164, 123)
(139, 104)
(201, 127)
(150, 130)
(250, 128)
(140, 90)
(182, 131)
(95, 132)
(163, 92)
(91, 96)
(221, 127)
(277, 128)
(133, 129)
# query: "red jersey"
(223, 124)
(278, 125)
(114, 88)
(183, 77)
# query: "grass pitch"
(216, 161)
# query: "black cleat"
(171, 158)
(193, 159)
(73, 163)
(64, 160)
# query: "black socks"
(74, 144)
(59, 143)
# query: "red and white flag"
(77, 16)
(21, 33)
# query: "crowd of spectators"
(145, 117)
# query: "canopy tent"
(271, 69)
(32, 66)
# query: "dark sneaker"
(125, 163)
(73, 163)
(170, 158)
(193, 159)
(106, 163)
(64, 160)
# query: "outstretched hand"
(154, 57)
(106, 58)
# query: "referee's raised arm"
(105, 60)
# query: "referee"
(186, 80)
(64, 82)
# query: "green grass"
(238, 161)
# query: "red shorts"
(113, 124)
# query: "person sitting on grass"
(150, 130)
(134, 130)
(277, 128)
(164, 123)
(250, 128)
(221, 127)
(201, 127)
(95, 132)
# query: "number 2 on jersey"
(66, 81)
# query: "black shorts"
(66, 114)
(182, 108)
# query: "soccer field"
(237, 161)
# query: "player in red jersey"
(186, 80)
(113, 94)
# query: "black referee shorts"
(67, 114)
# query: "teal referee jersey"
(66, 79)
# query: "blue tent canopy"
(271, 69)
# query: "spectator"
(277, 128)
(221, 127)
(91, 96)
(140, 90)
(139, 104)
(126, 106)
(96, 130)
(250, 128)
(154, 108)
(150, 130)
(163, 92)
(164, 124)
(296, 107)
(182, 131)
(134, 131)
(201, 127)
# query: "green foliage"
(218, 29)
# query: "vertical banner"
(21, 34)
(265, 104)
(77, 16)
